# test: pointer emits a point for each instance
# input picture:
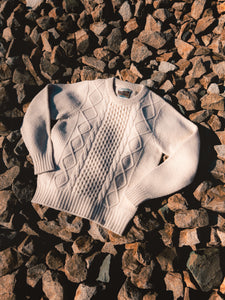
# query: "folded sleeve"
(178, 138)
(51, 103)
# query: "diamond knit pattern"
(100, 157)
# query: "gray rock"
(45, 22)
(54, 259)
(94, 63)
(205, 267)
(213, 89)
(104, 272)
(82, 41)
(71, 5)
(187, 99)
(85, 292)
(166, 67)
(48, 70)
(51, 286)
(22, 76)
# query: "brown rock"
(7, 205)
(221, 7)
(207, 79)
(21, 76)
(48, 70)
(158, 77)
(220, 149)
(167, 234)
(88, 74)
(198, 69)
(5, 71)
(129, 263)
(187, 99)
(35, 273)
(10, 260)
(7, 178)
(51, 286)
(191, 218)
(54, 259)
(154, 39)
(152, 25)
(146, 222)
(139, 52)
(184, 66)
(75, 268)
(102, 54)
(213, 200)
(141, 252)
(222, 287)
(128, 75)
(166, 259)
(188, 281)
(219, 69)
(212, 101)
(202, 189)
(203, 24)
(7, 286)
(133, 235)
(85, 292)
(218, 170)
(131, 26)
(94, 63)
(125, 11)
(199, 116)
(142, 279)
(221, 235)
(184, 49)
(109, 248)
(215, 296)
(188, 237)
(83, 244)
(98, 232)
(174, 283)
(214, 122)
(82, 41)
(30, 68)
(99, 28)
(177, 202)
(162, 14)
(129, 292)
(197, 8)
(221, 136)
(45, 22)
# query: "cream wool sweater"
(101, 158)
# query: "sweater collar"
(112, 83)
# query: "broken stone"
(187, 99)
(83, 244)
(143, 278)
(114, 40)
(198, 69)
(35, 273)
(167, 234)
(191, 218)
(218, 170)
(154, 39)
(54, 259)
(129, 291)
(139, 52)
(131, 26)
(184, 49)
(23, 77)
(205, 267)
(197, 8)
(125, 11)
(146, 222)
(5, 71)
(188, 237)
(10, 260)
(94, 63)
(85, 292)
(221, 235)
(174, 283)
(203, 24)
(30, 68)
(212, 101)
(104, 272)
(152, 25)
(75, 268)
(166, 259)
(158, 77)
(7, 205)
(7, 178)
(213, 89)
(98, 232)
(214, 123)
(7, 286)
(177, 202)
(51, 285)
(166, 67)
(99, 28)
(220, 149)
(82, 41)
(202, 189)
(128, 75)
(219, 69)
(45, 22)
(48, 70)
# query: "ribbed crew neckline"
(112, 82)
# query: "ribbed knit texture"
(101, 158)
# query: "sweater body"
(101, 158)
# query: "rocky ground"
(174, 247)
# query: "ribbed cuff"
(43, 163)
(137, 194)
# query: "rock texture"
(174, 246)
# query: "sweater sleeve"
(178, 138)
(51, 103)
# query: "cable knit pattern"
(102, 157)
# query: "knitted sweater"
(101, 158)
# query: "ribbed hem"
(137, 195)
(114, 218)
(43, 163)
